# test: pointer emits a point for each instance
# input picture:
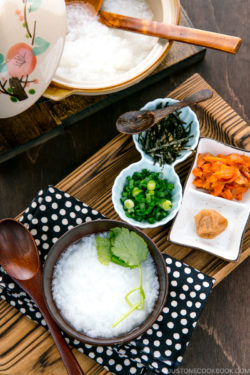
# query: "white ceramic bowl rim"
(144, 65)
(171, 14)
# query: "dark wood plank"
(221, 339)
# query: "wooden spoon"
(178, 33)
(138, 121)
(20, 259)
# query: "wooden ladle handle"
(183, 34)
(69, 360)
(34, 288)
(194, 98)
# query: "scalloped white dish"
(186, 115)
(32, 41)
(183, 232)
(167, 170)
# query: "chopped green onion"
(136, 191)
(147, 196)
(129, 204)
(166, 204)
(151, 185)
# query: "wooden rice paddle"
(20, 259)
(182, 34)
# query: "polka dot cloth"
(162, 347)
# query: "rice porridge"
(94, 52)
(90, 295)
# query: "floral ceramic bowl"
(32, 41)
(167, 170)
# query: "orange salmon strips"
(226, 176)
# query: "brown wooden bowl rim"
(74, 235)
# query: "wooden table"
(221, 339)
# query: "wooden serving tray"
(27, 348)
(92, 181)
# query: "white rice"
(94, 52)
(91, 295)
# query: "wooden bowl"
(76, 234)
(167, 11)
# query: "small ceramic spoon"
(222, 42)
(135, 122)
(20, 259)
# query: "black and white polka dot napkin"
(162, 347)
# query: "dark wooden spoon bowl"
(20, 259)
(135, 122)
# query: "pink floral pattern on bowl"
(21, 65)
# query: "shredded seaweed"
(165, 141)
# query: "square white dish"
(183, 232)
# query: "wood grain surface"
(221, 339)
(204, 38)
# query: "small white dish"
(183, 232)
(186, 115)
(168, 173)
(32, 42)
(167, 170)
